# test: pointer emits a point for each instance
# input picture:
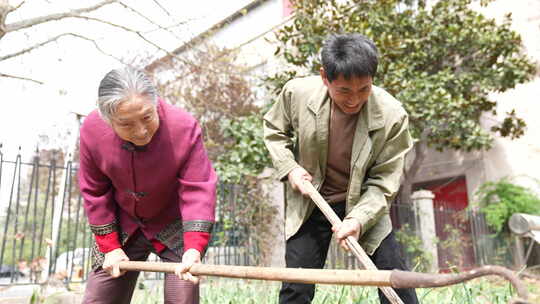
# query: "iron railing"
(30, 192)
(462, 237)
(39, 195)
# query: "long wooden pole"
(356, 249)
(292, 275)
(384, 278)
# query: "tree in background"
(210, 83)
(440, 61)
(84, 14)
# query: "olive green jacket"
(296, 135)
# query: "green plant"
(499, 200)
(35, 298)
(243, 158)
(412, 245)
(455, 243)
(226, 291)
(244, 151)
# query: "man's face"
(348, 94)
(136, 120)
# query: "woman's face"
(136, 120)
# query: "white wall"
(255, 23)
(252, 36)
(519, 158)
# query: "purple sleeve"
(97, 191)
(198, 181)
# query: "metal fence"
(463, 240)
(43, 230)
(44, 233)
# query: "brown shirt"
(340, 141)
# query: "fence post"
(58, 204)
(273, 190)
(423, 203)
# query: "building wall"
(252, 33)
(252, 37)
(519, 158)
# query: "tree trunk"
(409, 174)
(5, 8)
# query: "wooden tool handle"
(292, 275)
(356, 249)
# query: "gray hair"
(120, 85)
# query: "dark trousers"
(101, 288)
(308, 248)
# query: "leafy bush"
(243, 158)
(499, 200)
(244, 151)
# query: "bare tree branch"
(138, 33)
(160, 6)
(67, 15)
(15, 26)
(148, 19)
(203, 36)
(20, 78)
(127, 29)
(169, 26)
(5, 8)
(14, 8)
(409, 174)
(56, 38)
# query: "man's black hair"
(350, 55)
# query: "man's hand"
(349, 227)
(190, 257)
(110, 264)
(297, 177)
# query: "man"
(349, 138)
(148, 186)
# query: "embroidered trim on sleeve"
(171, 236)
(104, 229)
(98, 257)
(198, 226)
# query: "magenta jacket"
(166, 189)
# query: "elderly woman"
(148, 186)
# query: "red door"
(452, 226)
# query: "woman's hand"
(190, 257)
(110, 265)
